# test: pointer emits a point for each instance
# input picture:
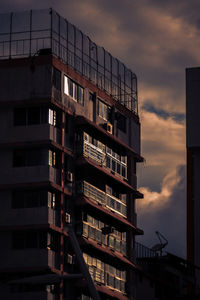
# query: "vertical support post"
(30, 42)
(51, 33)
(62, 207)
(59, 37)
(104, 69)
(10, 42)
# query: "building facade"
(193, 170)
(69, 144)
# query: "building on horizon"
(193, 171)
(69, 144)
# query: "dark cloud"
(178, 117)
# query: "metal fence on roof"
(24, 34)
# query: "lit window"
(73, 90)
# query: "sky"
(157, 39)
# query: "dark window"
(121, 122)
(29, 239)
(19, 116)
(33, 115)
(35, 157)
(28, 199)
(108, 162)
(103, 110)
(36, 115)
(57, 79)
(19, 158)
(18, 240)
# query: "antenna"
(163, 243)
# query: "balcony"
(105, 274)
(108, 158)
(109, 201)
(89, 150)
(109, 241)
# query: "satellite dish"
(157, 247)
(161, 245)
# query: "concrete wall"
(24, 258)
(13, 175)
(24, 216)
(24, 133)
(6, 294)
(23, 83)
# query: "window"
(103, 110)
(19, 116)
(57, 79)
(29, 239)
(121, 122)
(34, 116)
(29, 198)
(51, 200)
(52, 158)
(33, 157)
(73, 90)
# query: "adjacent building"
(69, 147)
(193, 171)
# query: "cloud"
(163, 141)
(165, 212)
(161, 113)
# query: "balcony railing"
(93, 152)
(105, 159)
(96, 234)
(103, 198)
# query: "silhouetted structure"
(193, 171)
(164, 276)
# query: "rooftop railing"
(25, 34)
(142, 251)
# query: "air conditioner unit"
(69, 176)
(107, 230)
(108, 127)
(69, 259)
(67, 218)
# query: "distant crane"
(163, 243)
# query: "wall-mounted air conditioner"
(67, 218)
(69, 259)
(69, 176)
(108, 127)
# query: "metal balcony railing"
(93, 152)
(103, 198)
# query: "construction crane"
(163, 243)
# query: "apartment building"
(69, 147)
